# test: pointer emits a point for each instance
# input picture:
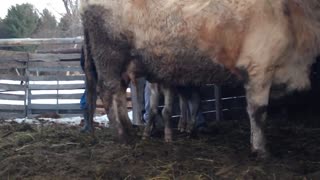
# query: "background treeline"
(25, 21)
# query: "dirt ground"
(60, 152)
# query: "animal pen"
(53, 81)
(60, 151)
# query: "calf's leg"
(167, 112)
(183, 102)
(153, 111)
(194, 109)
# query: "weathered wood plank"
(53, 57)
(12, 96)
(57, 78)
(9, 115)
(13, 77)
(12, 107)
(53, 106)
(39, 41)
(55, 87)
(57, 96)
(55, 69)
(10, 56)
(12, 87)
(6, 56)
(36, 64)
(59, 51)
(12, 64)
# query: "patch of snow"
(101, 120)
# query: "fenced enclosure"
(44, 81)
(52, 80)
(35, 83)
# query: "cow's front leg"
(115, 105)
(257, 93)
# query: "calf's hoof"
(182, 130)
(168, 139)
(145, 136)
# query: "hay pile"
(60, 152)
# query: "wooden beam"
(57, 96)
(13, 114)
(39, 41)
(12, 107)
(12, 64)
(55, 69)
(6, 56)
(55, 106)
(57, 78)
(55, 87)
(137, 96)
(12, 97)
(53, 57)
(59, 51)
(12, 87)
(13, 77)
(33, 64)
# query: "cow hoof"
(260, 155)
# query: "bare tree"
(72, 7)
(70, 23)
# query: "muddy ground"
(61, 152)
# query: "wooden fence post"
(217, 95)
(28, 91)
(137, 94)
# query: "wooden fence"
(37, 83)
(53, 82)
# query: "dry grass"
(61, 152)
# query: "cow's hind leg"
(91, 92)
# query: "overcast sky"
(54, 6)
